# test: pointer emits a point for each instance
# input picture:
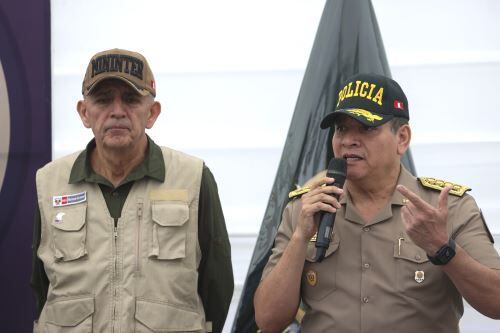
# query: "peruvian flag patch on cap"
(399, 105)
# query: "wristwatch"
(444, 254)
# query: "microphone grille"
(337, 168)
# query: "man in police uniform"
(404, 250)
(129, 236)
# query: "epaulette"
(439, 184)
(298, 192)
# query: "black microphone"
(337, 168)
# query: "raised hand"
(425, 224)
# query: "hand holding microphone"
(337, 169)
(321, 200)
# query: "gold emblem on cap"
(311, 278)
(419, 276)
(314, 237)
(364, 113)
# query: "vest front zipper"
(138, 235)
(115, 274)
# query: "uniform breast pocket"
(169, 229)
(416, 276)
(69, 233)
(319, 278)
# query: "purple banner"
(25, 145)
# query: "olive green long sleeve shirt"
(215, 283)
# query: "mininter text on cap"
(371, 99)
(129, 66)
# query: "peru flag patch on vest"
(70, 199)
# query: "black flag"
(347, 42)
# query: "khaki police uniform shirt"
(374, 278)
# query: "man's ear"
(154, 112)
(404, 138)
(81, 107)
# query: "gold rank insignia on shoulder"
(439, 184)
(298, 192)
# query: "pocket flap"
(69, 312)
(409, 251)
(170, 213)
(70, 218)
(165, 317)
(311, 248)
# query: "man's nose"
(350, 138)
(117, 108)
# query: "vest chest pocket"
(169, 229)
(69, 232)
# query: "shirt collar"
(404, 178)
(153, 166)
(408, 180)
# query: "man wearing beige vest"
(404, 251)
(129, 236)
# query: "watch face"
(445, 254)
(448, 253)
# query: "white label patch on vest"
(70, 199)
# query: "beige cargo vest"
(138, 277)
